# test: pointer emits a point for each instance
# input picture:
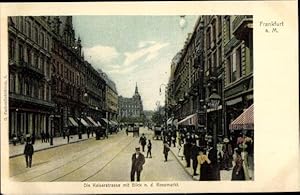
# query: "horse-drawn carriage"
(158, 132)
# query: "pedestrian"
(166, 151)
(149, 146)
(138, 160)
(187, 153)
(127, 131)
(88, 133)
(64, 134)
(174, 140)
(238, 170)
(47, 136)
(180, 149)
(42, 136)
(224, 159)
(213, 157)
(33, 138)
(28, 152)
(68, 135)
(204, 163)
(194, 154)
(143, 141)
(14, 139)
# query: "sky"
(134, 49)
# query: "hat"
(243, 146)
(137, 148)
(225, 140)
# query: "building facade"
(131, 107)
(217, 57)
(238, 65)
(29, 54)
(111, 100)
(67, 74)
(52, 88)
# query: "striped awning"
(245, 121)
(92, 121)
(83, 122)
(72, 122)
(189, 120)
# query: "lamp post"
(166, 102)
(51, 129)
(85, 95)
(214, 101)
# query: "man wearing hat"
(28, 152)
(138, 160)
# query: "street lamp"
(214, 101)
(166, 102)
(182, 22)
(85, 95)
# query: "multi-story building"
(186, 82)
(52, 87)
(29, 54)
(217, 58)
(238, 65)
(94, 97)
(67, 75)
(131, 107)
(213, 69)
(111, 98)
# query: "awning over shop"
(92, 121)
(99, 124)
(189, 120)
(72, 122)
(106, 121)
(84, 122)
(114, 122)
(245, 121)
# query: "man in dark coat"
(187, 153)
(194, 154)
(28, 152)
(143, 142)
(138, 161)
(213, 157)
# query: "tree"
(157, 117)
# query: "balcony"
(31, 100)
(29, 68)
(242, 25)
(198, 61)
(230, 44)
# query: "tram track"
(94, 151)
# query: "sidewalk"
(18, 149)
(224, 175)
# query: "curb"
(55, 146)
(183, 166)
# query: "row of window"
(213, 31)
(68, 74)
(34, 89)
(234, 65)
(29, 55)
(64, 88)
(34, 31)
(214, 59)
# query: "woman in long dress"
(238, 170)
(204, 163)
